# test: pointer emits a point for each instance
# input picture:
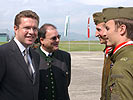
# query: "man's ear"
(15, 29)
(41, 40)
(122, 29)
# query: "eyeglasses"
(55, 37)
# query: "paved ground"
(86, 75)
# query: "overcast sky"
(54, 12)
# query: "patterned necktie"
(27, 61)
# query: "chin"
(102, 42)
(56, 49)
(108, 44)
(29, 43)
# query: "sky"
(55, 11)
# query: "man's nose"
(96, 34)
(104, 34)
(31, 30)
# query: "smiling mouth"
(102, 38)
(30, 37)
(56, 45)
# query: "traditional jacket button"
(52, 87)
(48, 64)
(51, 73)
(50, 69)
(46, 75)
(66, 73)
(46, 88)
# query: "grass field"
(79, 45)
(2, 43)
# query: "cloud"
(54, 11)
(107, 2)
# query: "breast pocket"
(113, 88)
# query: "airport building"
(4, 37)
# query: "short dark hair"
(129, 26)
(25, 13)
(42, 30)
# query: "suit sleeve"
(2, 65)
(69, 69)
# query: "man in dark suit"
(19, 76)
(55, 70)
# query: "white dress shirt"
(22, 48)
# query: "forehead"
(100, 25)
(27, 20)
(110, 23)
(50, 31)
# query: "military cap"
(117, 13)
(98, 17)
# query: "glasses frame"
(54, 38)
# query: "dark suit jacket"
(15, 80)
(61, 66)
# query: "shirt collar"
(46, 53)
(21, 47)
(122, 45)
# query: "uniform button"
(45, 99)
(46, 88)
(52, 91)
(51, 78)
(52, 82)
(52, 87)
(46, 75)
(53, 96)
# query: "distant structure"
(4, 37)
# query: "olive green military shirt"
(120, 82)
(105, 74)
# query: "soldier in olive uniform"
(119, 25)
(55, 65)
(100, 29)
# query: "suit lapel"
(20, 59)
